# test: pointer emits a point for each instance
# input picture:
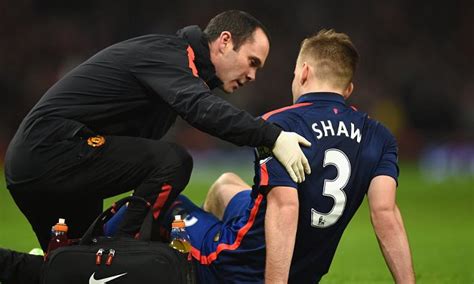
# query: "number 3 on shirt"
(333, 188)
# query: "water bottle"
(179, 237)
(58, 236)
(181, 242)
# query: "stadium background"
(415, 76)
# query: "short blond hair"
(332, 55)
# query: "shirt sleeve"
(388, 164)
(170, 78)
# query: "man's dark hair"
(240, 24)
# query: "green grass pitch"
(438, 217)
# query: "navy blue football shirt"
(348, 150)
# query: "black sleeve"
(172, 80)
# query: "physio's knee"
(184, 161)
(177, 166)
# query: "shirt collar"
(199, 43)
(320, 97)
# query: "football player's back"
(348, 150)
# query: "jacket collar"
(199, 43)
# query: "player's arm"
(388, 225)
(281, 221)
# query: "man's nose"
(251, 75)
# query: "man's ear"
(348, 91)
(225, 41)
(304, 73)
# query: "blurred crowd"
(415, 73)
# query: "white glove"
(287, 150)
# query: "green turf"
(438, 218)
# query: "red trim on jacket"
(191, 57)
(161, 199)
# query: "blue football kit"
(348, 150)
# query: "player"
(96, 132)
(280, 231)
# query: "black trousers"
(19, 268)
(156, 170)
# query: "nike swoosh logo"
(92, 280)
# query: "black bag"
(115, 260)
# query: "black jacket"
(137, 88)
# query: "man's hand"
(287, 150)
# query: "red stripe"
(240, 235)
(263, 174)
(268, 114)
(354, 108)
(191, 61)
(161, 199)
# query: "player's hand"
(287, 150)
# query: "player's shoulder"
(283, 112)
(286, 117)
(371, 124)
(380, 130)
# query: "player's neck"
(318, 86)
(305, 91)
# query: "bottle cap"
(61, 225)
(178, 223)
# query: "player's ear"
(348, 91)
(304, 73)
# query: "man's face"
(236, 68)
